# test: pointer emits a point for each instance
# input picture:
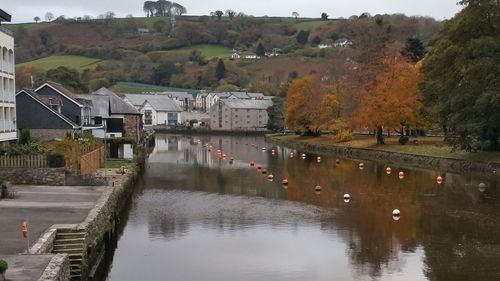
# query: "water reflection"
(207, 218)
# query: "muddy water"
(200, 217)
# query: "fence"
(92, 160)
(24, 161)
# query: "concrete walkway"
(26, 267)
(42, 206)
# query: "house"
(116, 117)
(240, 115)
(43, 116)
(73, 107)
(8, 130)
(201, 102)
(342, 43)
(256, 96)
(235, 56)
(156, 109)
(212, 98)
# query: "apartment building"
(8, 129)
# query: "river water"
(198, 217)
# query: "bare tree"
(36, 19)
(295, 15)
(49, 16)
(230, 14)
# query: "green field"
(131, 87)
(208, 50)
(52, 62)
(29, 26)
(310, 25)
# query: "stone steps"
(71, 242)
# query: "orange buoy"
(439, 179)
(252, 163)
(388, 170)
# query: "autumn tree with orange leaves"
(391, 99)
(311, 106)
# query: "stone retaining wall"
(57, 270)
(409, 160)
(36, 176)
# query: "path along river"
(196, 216)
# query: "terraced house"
(8, 129)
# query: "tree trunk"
(380, 135)
(2, 277)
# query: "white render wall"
(8, 128)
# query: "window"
(98, 120)
(148, 117)
(115, 125)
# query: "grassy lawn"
(115, 164)
(77, 62)
(429, 146)
(310, 25)
(29, 26)
(131, 87)
(208, 50)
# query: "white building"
(156, 109)
(342, 43)
(8, 128)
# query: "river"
(196, 216)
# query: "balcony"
(6, 31)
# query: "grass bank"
(422, 146)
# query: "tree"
(414, 49)
(316, 40)
(220, 70)
(295, 15)
(163, 73)
(311, 106)
(391, 99)
(219, 14)
(461, 84)
(178, 9)
(302, 37)
(68, 77)
(36, 19)
(276, 112)
(260, 51)
(324, 16)
(49, 16)
(149, 8)
(159, 26)
(230, 14)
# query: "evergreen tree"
(461, 84)
(414, 49)
(260, 52)
(302, 37)
(220, 70)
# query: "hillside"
(186, 56)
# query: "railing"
(24, 161)
(6, 31)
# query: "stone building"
(239, 115)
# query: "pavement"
(26, 267)
(42, 207)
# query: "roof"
(116, 104)
(255, 95)
(178, 95)
(248, 104)
(4, 16)
(63, 91)
(240, 95)
(37, 98)
(158, 102)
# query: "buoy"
(303, 155)
(291, 154)
(439, 179)
(284, 182)
(318, 159)
(401, 174)
(264, 171)
(232, 159)
(482, 187)
(388, 170)
(252, 163)
(209, 150)
(337, 161)
(259, 167)
(317, 188)
(270, 177)
(347, 197)
(361, 166)
(396, 214)
(224, 155)
(263, 148)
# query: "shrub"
(56, 160)
(403, 140)
(343, 136)
(3, 266)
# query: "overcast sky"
(25, 10)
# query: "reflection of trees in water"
(165, 226)
(460, 233)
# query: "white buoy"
(270, 177)
(347, 197)
(439, 179)
(388, 170)
(396, 214)
(482, 187)
(361, 166)
(317, 188)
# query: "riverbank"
(423, 152)
(203, 131)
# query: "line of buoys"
(388, 170)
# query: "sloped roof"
(116, 104)
(158, 102)
(178, 95)
(240, 95)
(248, 104)
(255, 95)
(37, 98)
(63, 91)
